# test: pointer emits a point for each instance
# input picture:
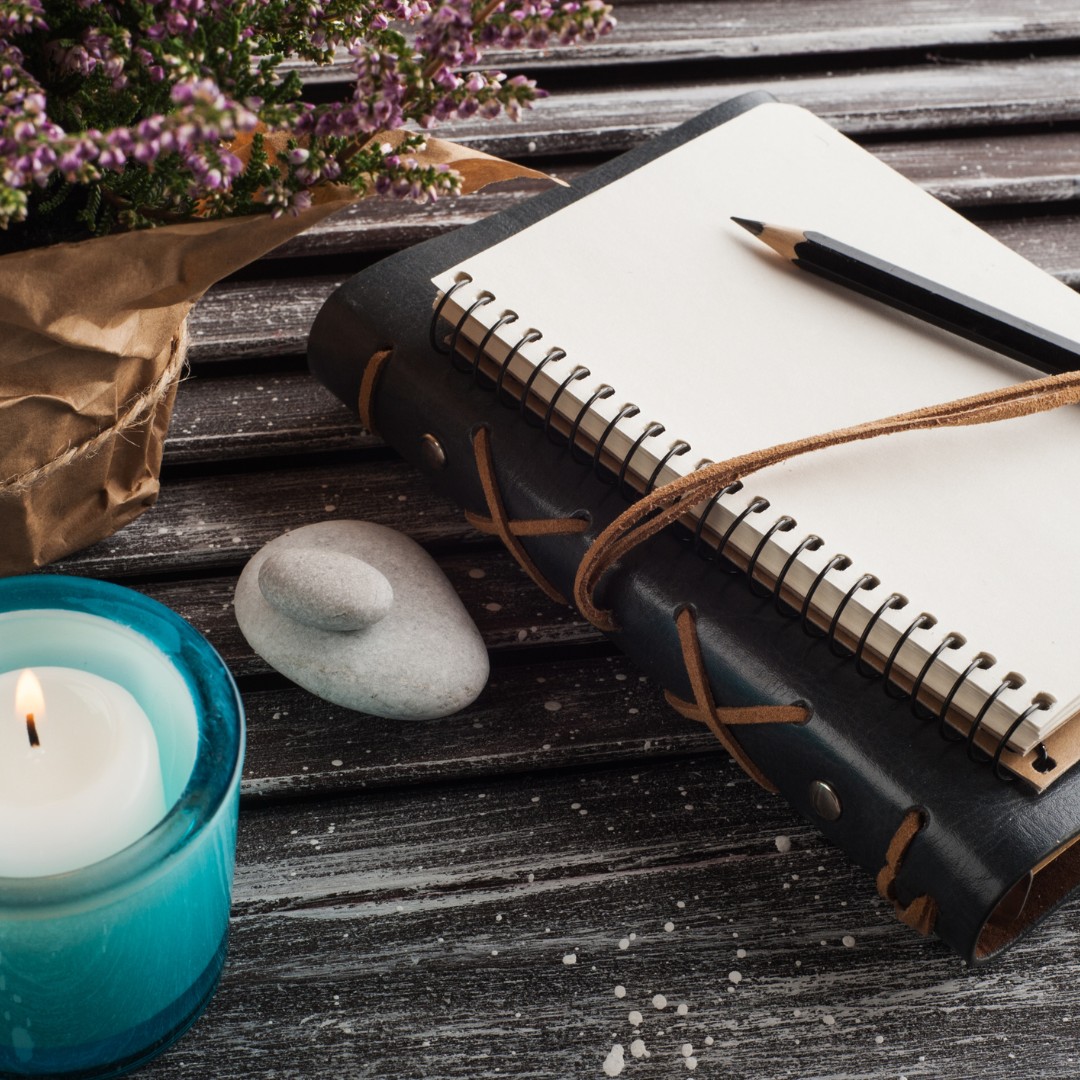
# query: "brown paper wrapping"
(92, 342)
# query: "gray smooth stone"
(325, 589)
(424, 657)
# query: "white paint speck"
(614, 1063)
(708, 1040)
(570, 958)
(477, 574)
(683, 1009)
(734, 977)
(691, 1063)
(554, 706)
(686, 1050)
(659, 1001)
(669, 926)
(849, 941)
(635, 1018)
(828, 1020)
(783, 844)
(740, 953)
(680, 903)
(879, 1039)
(637, 1048)
(624, 943)
(337, 762)
(620, 991)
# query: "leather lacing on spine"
(717, 718)
(500, 525)
(921, 912)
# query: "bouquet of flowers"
(150, 147)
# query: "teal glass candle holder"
(104, 966)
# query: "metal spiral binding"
(715, 551)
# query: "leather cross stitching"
(921, 913)
(500, 525)
(719, 718)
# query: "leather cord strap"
(500, 525)
(368, 383)
(668, 503)
(921, 913)
(717, 718)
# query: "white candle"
(80, 776)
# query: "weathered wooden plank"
(426, 933)
(769, 29)
(989, 170)
(242, 416)
(896, 101)
(209, 524)
(509, 610)
(242, 319)
(575, 713)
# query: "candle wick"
(31, 730)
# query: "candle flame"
(30, 703)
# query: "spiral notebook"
(642, 306)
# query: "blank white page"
(649, 284)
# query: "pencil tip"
(750, 225)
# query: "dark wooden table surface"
(493, 894)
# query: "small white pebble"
(620, 991)
(683, 1009)
(783, 844)
(879, 1039)
(337, 762)
(614, 1063)
(637, 1048)
(849, 941)
(633, 937)
(669, 926)
(477, 574)
(680, 903)
(659, 1001)
(552, 706)
(691, 1063)
(624, 943)
(686, 1050)
(708, 1040)
(635, 1018)
(740, 953)
(570, 958)
(575, 806)
(734, 977)
(828, 1020)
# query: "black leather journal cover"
(990, 859)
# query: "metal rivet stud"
(825, 801)
(431, 452)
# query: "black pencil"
(918, 296)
